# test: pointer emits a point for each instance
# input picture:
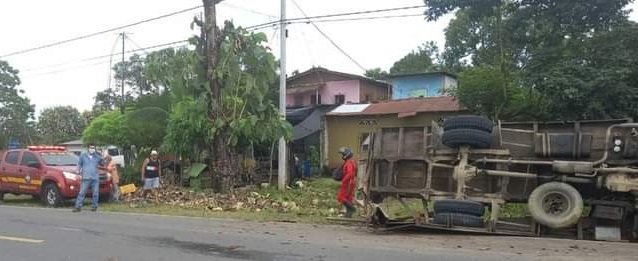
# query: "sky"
(67, 75)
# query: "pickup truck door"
(31, 173)
(9, 170)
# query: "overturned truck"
(575, 179)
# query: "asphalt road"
(58, 234)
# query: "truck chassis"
(560, 170)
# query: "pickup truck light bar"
(43, 148)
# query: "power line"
(249, 10)
(111, 62)
(99, 33)
(251, 28)
(106, 56)
(105, 62)
(264, 25)
(328, 37)
(254, 27)
(135, 44)
(357, 18)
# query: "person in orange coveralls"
(348, 183)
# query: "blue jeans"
(84, 187)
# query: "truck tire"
(468, 122)
(458, 219)
(477, 139)
(555, 204)
(467, 207)
(51, 195)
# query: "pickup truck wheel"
(458, 219)
(51, 195)
(105, 198)
(477, 139)
(459, 206)
(468, 122)
(555, 204)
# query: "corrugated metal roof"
(405, 107)
(349, 109)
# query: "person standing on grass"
(111, 168)
(88, 165)
(348, 183)
(151, 173)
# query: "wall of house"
(375, 92)
(347, 131)
(416, 86)
(350, 89)
(290, 99)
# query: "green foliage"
(246, 72)
(60, 124)
(421, 60)
(16, 111)
(188, 130)
(557, 59)
(108, 128)
(376, 73)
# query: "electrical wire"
(265, 25)
(108, 61)
(108, 84)
(105, 56)
(328, 38)
(254, 27)
(99, 33)
(257, 27)
(357, 18)
(248, 10)
(130, 40)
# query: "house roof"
(403, 108)
(420, 74)
(73, 142)
(346, 75)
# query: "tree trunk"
(221, 154)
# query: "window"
(60, 159)
(340, 99)
(28, 158)
(315, 99)
(113, 152)
(299, 100)
(12, 157)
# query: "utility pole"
(283, 166)
(123, 35)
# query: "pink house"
(321, 86)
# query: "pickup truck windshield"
(60, 158)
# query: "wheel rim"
(556, 204)
(51, 197)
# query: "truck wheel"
(467, 207)
(51, 195)
(468, 122)
(477, 139)
(104, 198)
(458, 219)
(555, 204)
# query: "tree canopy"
(558, 60)
(16, 111)
(60, 124)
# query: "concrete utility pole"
(122, 107)
(283, 166)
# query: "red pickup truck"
(47, 172)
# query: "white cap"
(154, 152)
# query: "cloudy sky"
(70, 74)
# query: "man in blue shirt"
(88, 166)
